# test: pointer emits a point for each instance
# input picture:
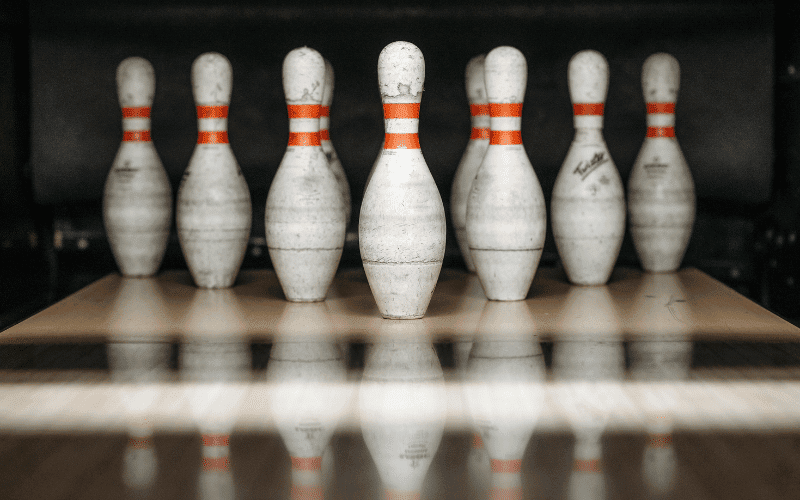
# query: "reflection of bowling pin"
(661, 202)
(401, 228)
(588, 202)
(213, 209)
(504, 392)
(137, 200)
(305, 218)
(139, 463)
(506, 215)
(659, 463)
(309, 396)
(402, 409)
(334, 162)
(473, 154)
(587, 479)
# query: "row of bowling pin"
(497, 203)
(308, 206)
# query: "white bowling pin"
(588, 202)
(327, 146)
(139, 462)
(401, 229)
(402, 409)
(504, 392)
(213, 210)
(661, 199)
(305, 213)
(473, 155)
(137, 199)
(587, 479)
(659, 462)
(506, 214)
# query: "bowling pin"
(588, 202)
(506, 214)
(661, 199)
(587, 479)
(402, 409)
(401, 228)
(327, 146)
(305, 214)
(473, 155)
(137, 199)
(213, 210)
(139, 463)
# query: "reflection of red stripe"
(310, 463)
(478, 109)
(506, 465)
(660, 131)
(660, 107)
(593, 108)
(660, 440)
(213, 137)
(505, 109)
(136, 136)
(479, 133)
(587, 465)
(304, 139)
(401, 141)
(140, 112)
(219, 463)
(505, 137)
(215, 439)
(477, 442)
(140, 443)
(401, 110)
(212, 111)
(325, 135)
(303, 492)
(303, 110)
(401, 495)
(505, 494)
(324, 111)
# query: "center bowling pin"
(506, 214)
(213, 210)
(473, 155)
(137, 199)
(661, 201)
(305, 214)
(401, 229)
(588, 202)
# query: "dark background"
(736, 119)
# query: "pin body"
(402, 223)
(137, 199)
(588, 202)
(305, 212)
(506, 214)
(327, 146)
(661, 198)
(213, 210)
(473, 154)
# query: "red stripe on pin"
(218, 463)
(303, 110)
(506, 465)
(479, 133)
(400, 495)
(587, 465)
(324, 134)
(591, 108)
(505, 494)
(310, 463)
(505, 137)
(139, 443)
(660, 107)
(324, 111)
(401, 110)
(505, 109)
(215, 439)
(140, 112)
(303, 492)
(477, 442)
(660, 440)
(212, 111)
(660, 131)
(401, 141)
(212, 137)
(304, 139)
(479, 109)
(136, 136)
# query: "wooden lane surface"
(634, 305)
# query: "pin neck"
(479, 115)
(324, 122)
(212, 124)
(136, 124)
(661, 114)
(215, 449)
(401, 120)
(590, 135)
